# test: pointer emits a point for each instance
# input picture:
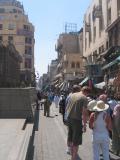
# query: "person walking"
(56, 100)
(100, 123)
(116, 130)
(47, 104)
(77, 118)
(62, 106)
(38, 99)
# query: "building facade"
(69, 49)
(16, 28)
(10, 61)
(53, 69)
(99, 16)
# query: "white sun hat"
(91, 105)
(101, 106)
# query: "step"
(20, 147)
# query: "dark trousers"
(46, 111)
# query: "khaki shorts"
(75, 131)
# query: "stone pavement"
(51, 137)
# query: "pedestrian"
(116, 130)
(77, 118)
(62, 106)
(56, 100)
(90, 106)
(100, 123)
(75, 89)
(38, 99)
(47, 104)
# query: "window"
(101, 25)
(1, 26)
(109, 16)
(118, 7)
(90, 59)
(2, 17)
(26, 27)
(94, 56)
(28, 63)
(16, 16)
(28, 50)
(1, 38)
(19, 11)
(2, 10)
(10, 38)
(72, 65)
(77, 65)
(14, 10)
(107, 45)
(94, 33)
(102, 48)
(99, 50)
(11, 26)
(28, 40)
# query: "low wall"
(17, 103)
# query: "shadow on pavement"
(30, 152)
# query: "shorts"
(75, 131)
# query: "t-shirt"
(80, 101)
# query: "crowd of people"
(102, 114)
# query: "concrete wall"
(17, 102)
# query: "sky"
(49, 18)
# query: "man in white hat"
(100, 123)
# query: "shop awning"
(60, 86)
(113, 24)
(100, 85)
(58, 75)
(55, 82)
(117, 60)
(84, 81)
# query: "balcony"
(98, 12)
(23, 32)
(58, 47)
(87, 27)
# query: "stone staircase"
(17, 143)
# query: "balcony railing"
(87, 27)
(58, 46)
(24, 32)
(98, 12)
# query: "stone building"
(16, 28)
(10, 61)
(98, 18)
(69, 49)
(53, 69)
(94, 35)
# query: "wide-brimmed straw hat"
(91, 105)
(101, 106)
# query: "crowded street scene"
(88, 126)
(60, 80)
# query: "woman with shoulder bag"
(100, 123)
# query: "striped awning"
(117, 60)
(84, 81)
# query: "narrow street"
(50, 139)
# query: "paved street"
(50, 139)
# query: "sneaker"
(68, 151)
